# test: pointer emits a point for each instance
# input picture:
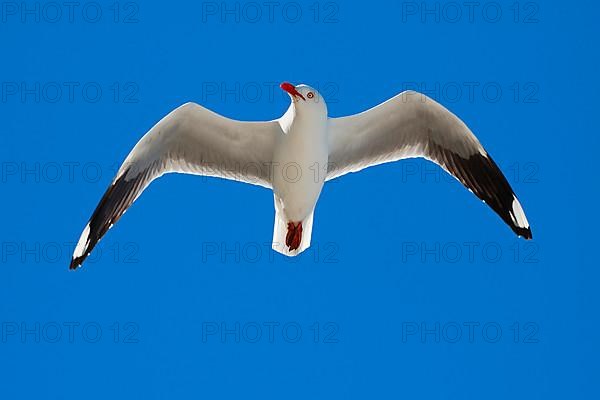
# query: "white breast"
(300, 166)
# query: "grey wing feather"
(413, 125)
(191, 139)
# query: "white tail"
(280, 231)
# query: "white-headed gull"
(295, 154)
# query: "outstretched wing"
(413, 125)
(191, 139)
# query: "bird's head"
(305, 99)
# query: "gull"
(296, 154)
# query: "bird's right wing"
(412, 125)
(191, 139)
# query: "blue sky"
(412, 287)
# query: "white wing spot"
(82, 243)
(518, 214)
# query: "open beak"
(291, 89)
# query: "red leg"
(294, 236)
(290, 234)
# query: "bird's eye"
(310, 95)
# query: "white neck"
(304, 119)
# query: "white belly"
(299, 168)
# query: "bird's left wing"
(413, 125)
(191, 139)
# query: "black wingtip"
(75, 263)
(119, 195)
(525, 233)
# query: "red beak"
(291, 89)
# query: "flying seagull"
(297, 153)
